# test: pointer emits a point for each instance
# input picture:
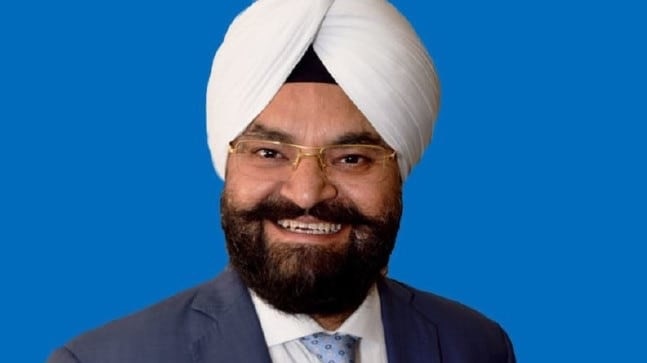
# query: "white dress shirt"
(282, 331)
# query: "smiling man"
(310, 228)
(316, 112)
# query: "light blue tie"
(328, 348)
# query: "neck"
(331, 322)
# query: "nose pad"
(303, 155)
(308, 184)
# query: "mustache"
(276, 208)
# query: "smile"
(309, 228)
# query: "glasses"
(345, 163)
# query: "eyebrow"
(267, 133)
(364, 137)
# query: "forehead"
(311, 113)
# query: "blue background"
(530, 204)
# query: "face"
(307, 244)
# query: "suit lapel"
(410, 338)
(235, 334)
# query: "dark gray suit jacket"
(216, 322)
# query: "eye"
(267, 153)
(350, 158)
(353, 159)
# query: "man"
(316, 112)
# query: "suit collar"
(409, 336)
(235, 335)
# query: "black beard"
(310, 279)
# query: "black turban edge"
(310, 69)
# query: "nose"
(307, 185)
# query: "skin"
(312, 114)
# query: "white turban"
(368, 47)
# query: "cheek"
(372, 200)
(376, 199)
(244, 193)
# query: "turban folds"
(368, 47)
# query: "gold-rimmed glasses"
(275, 160)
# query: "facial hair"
(304, 278)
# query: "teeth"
(309, 228)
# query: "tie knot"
(335, 348)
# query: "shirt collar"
(280, 327)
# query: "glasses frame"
(389, 153)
